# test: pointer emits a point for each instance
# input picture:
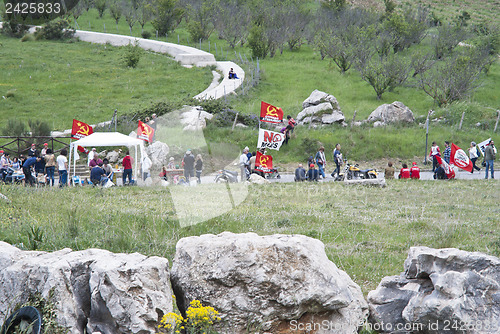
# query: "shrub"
(55, 30)
(38, 128)
(14, 127)
(132, 55)
(10, 93)
(14, 30)
(257, 42)
(28, 38)
(225, 118)
(146, 34)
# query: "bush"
(14, 30)
(257, 42)
(14, 127)
(38, 128)
(10, 93)
(28, 38)
(55, 30)
(146, 34)
(132, 55)
(225, 118)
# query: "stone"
(320, 108)
(194, 118)
(366, 182)
(270, 284)
(158, 153)
(440, 288)
(378, 124)
(94, 290)
(317, 97)
(113, 156)
(392, 113)
(257, 179)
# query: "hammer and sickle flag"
(145, 132)
(80, 130)
(270, 113)
(263, 163)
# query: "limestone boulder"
(93, 290)
(396, 112)
(113, 156)
(257, 179)
(270, 284)
(194, 118)
(440, 291)
(158, 153)
(320, 108)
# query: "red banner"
(459, 158)
(80, 130)
(263, 163)
(145, 132)
(270, 113)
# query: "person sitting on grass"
(300, 174)
(312, 173)
(96, 174)
(404, 173)
(389, 171)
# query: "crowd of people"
(37, 166)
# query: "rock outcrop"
(194, 118)
(158, 153)
(274, 283)
(320, 108)
(396, 112)
(441, 291)
(94, 290)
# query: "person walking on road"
(489, 157)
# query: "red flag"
(80, 130)
(263, 163)
(270, 113)
(145, 132)
(459, 158)
(448, 170)
(82, 149)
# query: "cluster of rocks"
(260, 284)
(321, 109)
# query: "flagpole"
(70, 156)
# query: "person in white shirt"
(244, 163)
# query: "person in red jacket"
(415, 171)
(127, 168)
(404, 173)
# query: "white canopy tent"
(106, 139)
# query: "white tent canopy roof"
(108, 139)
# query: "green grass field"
(56, 82)
(367, 231)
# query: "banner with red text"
(80, 130)
(145, 132)
(263, 163)
(270, 113)
(270, 139)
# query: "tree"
(116, 12)
(144, 13)
(257, 42)
(453, 78)
(167, 15)
(200, 16)
(100, 5)
(130, 13)
(232, 21)
(447, 39)
(385, 73)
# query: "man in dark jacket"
(188, 161)
(489, 157)
(300, 174)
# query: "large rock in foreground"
(320, 108)
(441, 291)
(94, 290)
(396, 112)
(273, 284)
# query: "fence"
(16, 146)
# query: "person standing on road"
(62, 166)
(199, 167)
(474, 155)
(188, 162)
(337, 158)
(27, 166)
(244, 163)
(321, 161)
(434, 154)
(447, 152)
(50, 165)
(489, 157)
(127, 169)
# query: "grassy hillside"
(56, 81)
